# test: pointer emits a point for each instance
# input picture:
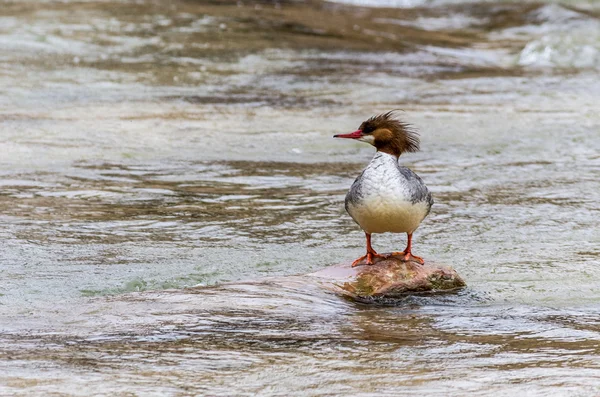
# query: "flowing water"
(167, 177)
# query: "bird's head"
(387, 134)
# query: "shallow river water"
(167, 177)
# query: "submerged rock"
(389, 278)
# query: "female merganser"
(387, 197)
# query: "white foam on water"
(451, 21)
(585, 4)
(557, 37)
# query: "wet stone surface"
(389, 278)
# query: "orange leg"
(371, 254)
(407, 254)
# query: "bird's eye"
(367, 130)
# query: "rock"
(389, 278)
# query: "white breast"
(381, 201)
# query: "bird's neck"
(390, 150)
(384, 152)
(383, 160)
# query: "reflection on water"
(152, 147)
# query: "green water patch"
(140, 284)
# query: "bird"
(387, 197)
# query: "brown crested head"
(390, 135)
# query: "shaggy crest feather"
(405, 137)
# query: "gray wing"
(355, 194)
(417, 190)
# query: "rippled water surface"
(168, 179)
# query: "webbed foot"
(369, 256)
(407, 256)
